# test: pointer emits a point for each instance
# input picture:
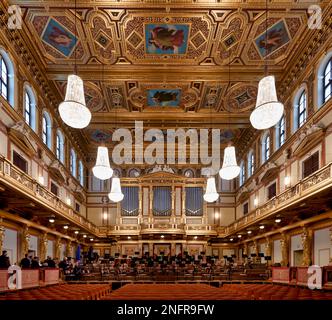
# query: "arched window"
(73, 163)
(242, 174)
(47, 129)
(251, 164)
(81, 173)
(6, 77)
(60, 146)
(265, 148)
(281, 132)
(300, 109)
(30, 107)
(327, 81)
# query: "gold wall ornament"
(25, 241)
(306, 243)
(2, 234)
(57, 251)
(69, 248)
(284, 250)
(268, 247)
(43, 246)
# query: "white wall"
(33, 244)
(322, 247)
(3, 144)
(10, 244)
(62, 251)
(277, 256)
(296, 244)
(50, 248)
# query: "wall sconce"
(195, 237)
(129, 237)
(287, 181)
(51, 220)
(105, 215)
(76, 232)
(84, 236)
(65, 227)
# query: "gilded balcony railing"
(17, 179)
(308, 186)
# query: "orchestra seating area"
(61, 292)
(206, 292)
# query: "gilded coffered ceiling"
(189, 64)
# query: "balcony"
(317, 182)
(15, 179)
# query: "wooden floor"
(206, 292)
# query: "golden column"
(306, 243)
(25, 239)
(151, 204)
(284, 250)
(43, 246)
(256, 251)
(2, 234)
(57, 249)
(69, 249)
(140, 205)
(268, 247)
(183, 204)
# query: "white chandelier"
(268, 110)
(73, 110)
(116, 194)
(102, 169)
(230, 169)
(211, 194)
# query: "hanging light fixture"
(102, 169)
(116, 194)
(230, 169)
(73, 110)
(268, 110)
(211, 194)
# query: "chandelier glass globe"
(102, 170)
(268, 110)
(230, 169)
(211, 194)
(116, 194)
(73, 110)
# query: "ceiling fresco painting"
(198, 65)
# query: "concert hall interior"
(165, 149)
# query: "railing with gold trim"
(314, 183)
(19, 180)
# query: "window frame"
(266, 147)
(251, 164)
(301, 112)
(59, 146)
(329, 84)
(4, 78)
(281, 132)
(81, 173)
(47, 129)
(72, 163)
